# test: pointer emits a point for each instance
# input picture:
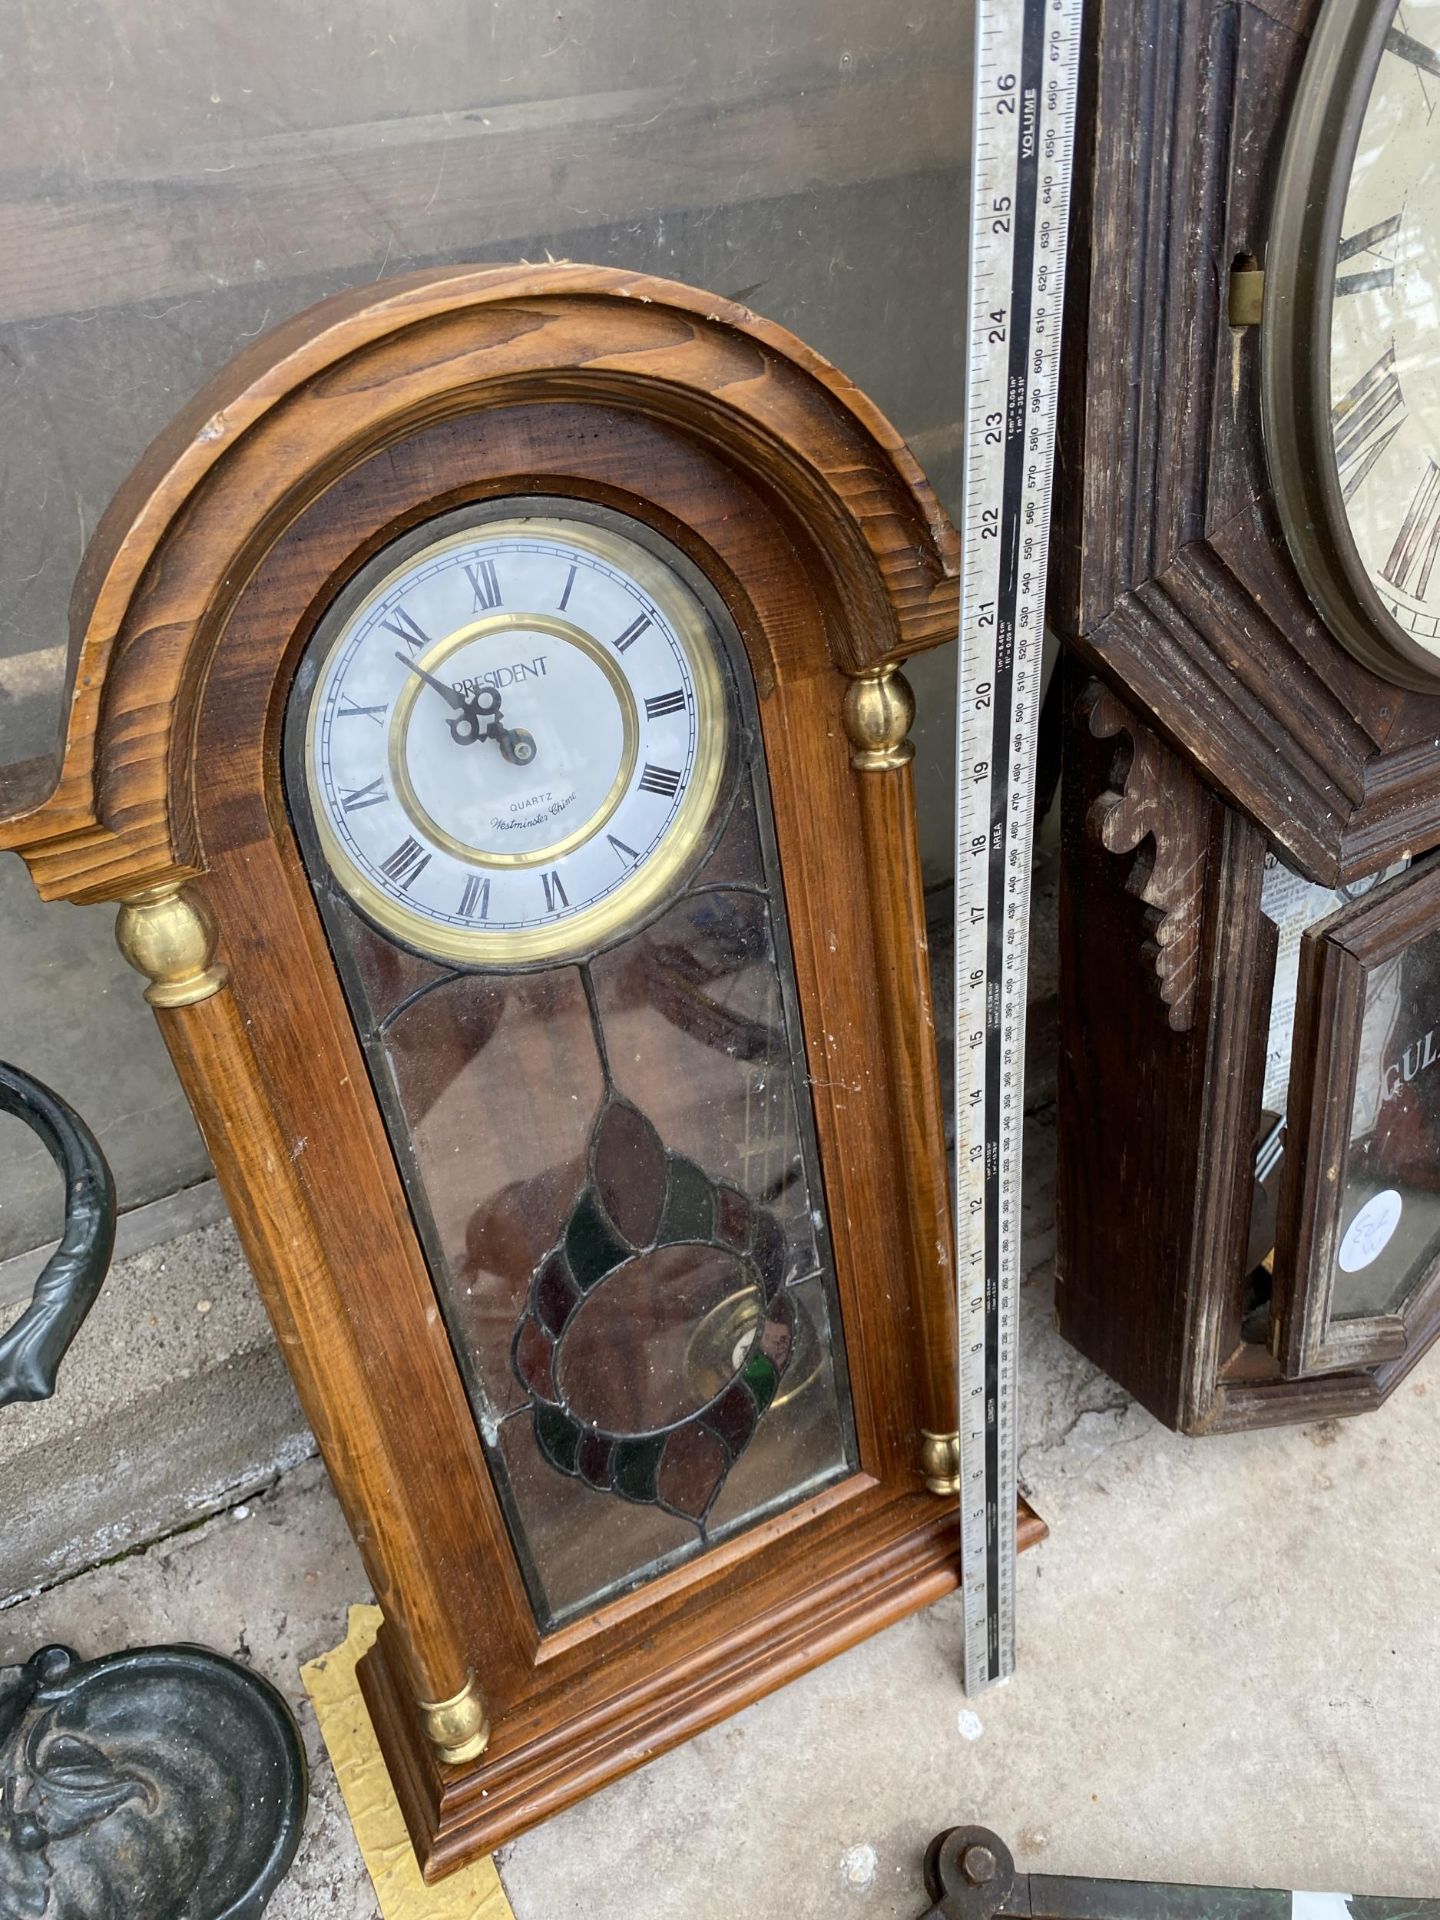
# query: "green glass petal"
(636, 1464)
(590, 1246)
(558, 1434)
(689, 1204)
(760, 1376)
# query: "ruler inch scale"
(1026, 77)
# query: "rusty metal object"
(970, 1875)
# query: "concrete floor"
(1229, 1672)
(173, 1404)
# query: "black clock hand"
(449, 693)
(483, 704)
(515, 743)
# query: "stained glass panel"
(613, 1171)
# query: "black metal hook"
(32, 1349)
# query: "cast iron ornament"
(166, 1783)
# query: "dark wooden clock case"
(1210, 716)
(313, 450)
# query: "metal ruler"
(1026, 76)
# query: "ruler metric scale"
(1026, 73)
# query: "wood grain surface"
(1250, 730)
(1172, 576)
(310, 400)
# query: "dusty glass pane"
(694, 1014)
(1389, 1234)
(627, 1357)
(736, 859)
(385, 977)
(621, 1207)
(496, 1081)
(585, 1540)
(805, 1427)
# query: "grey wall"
(177, 175)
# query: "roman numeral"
(1415, 51)
(349, 710)
(632, 633)
(475, 899)
(406, 863)
(1419, 537)
(405, 628)
(624, 853)
(1359, 421)
(661, 780)
(370, 796)
(664, 703)
(1366, 241)
(487, 586)
(554, 892)
(569, 583)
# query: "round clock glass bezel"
(699, 622)
(1336, 84)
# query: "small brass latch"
(1247, 296)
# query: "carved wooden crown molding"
(287, 420)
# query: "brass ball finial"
(169, 934)
(940, 1462)
(457, 1728)
(879, 709)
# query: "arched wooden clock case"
(819, 549)
(1235, 708)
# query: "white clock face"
(516, 739)
(1385, 329)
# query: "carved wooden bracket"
(1156, 804)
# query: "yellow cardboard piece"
(475, 1892)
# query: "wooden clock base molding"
(545, 1757)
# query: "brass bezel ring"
(432, 660)
(585, 929)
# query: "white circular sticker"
(1368, 1234)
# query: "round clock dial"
(1350, 338)
(1385, 329)
(515, 736)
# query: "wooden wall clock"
(484, 703)
(1248, 585)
